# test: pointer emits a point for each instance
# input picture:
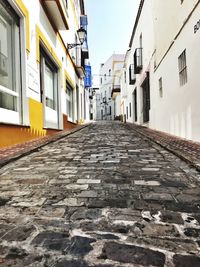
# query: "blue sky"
(110, 24)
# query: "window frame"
(13, 115)
(51, 115)
(160, 87)
(69, 98)
(182, 66)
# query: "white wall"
(146, 18)
(177, 112)
(114, 63)
(170, 31)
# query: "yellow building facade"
(41, 80)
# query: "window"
(135, 103)
(127, 112)
(104, 77)
(110, 110)
(132, 76)
(129, 109)
(138, 65)
(49, 74)
(49, 89)
(109, 72)
(160, 87)
(141, 40)
(124, 76)
(101, 80)
(69, 100)
(10, 76)
(138, 57)
(182, 68)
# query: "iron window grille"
(160, 84)
(138, 65)
(182, 68)
(132, 76)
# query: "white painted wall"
(147, 32)
(114, 63)
(177, 112)
(171, 30)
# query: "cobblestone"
(104, 196)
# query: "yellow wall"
(36, 116)
(14, 134)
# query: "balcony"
(132, 76)
(79, 62)
(138, 60)
(115, 91)
(57, 13)
(3, 65)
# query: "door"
(146, 98)
(49, 90)
(135, 104)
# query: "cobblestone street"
(103, 196)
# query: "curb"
(28, 150)
(182, 156)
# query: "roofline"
(136, 21)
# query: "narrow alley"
(104, 196)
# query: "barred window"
(160, 84)
(69, 100)
(182, 68)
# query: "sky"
(110, 25)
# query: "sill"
(14, 125)
(49, 128)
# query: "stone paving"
(8, 154)
(104, 196)
(185, 149)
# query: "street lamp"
(81, 36)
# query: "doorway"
(146, 98)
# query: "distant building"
(41, 79)
(95, 104)
(109, 87)
(162, 91)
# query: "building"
(110, 77)
(162, 92)
(95, 104)
(41, 73)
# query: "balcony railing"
(138, 65)
(132, 76)
(115, 89)
(3, 65)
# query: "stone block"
(132, 254)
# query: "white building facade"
(110, 86)
(165, 53)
